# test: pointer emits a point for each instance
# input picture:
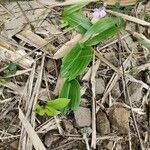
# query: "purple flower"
(99, 13)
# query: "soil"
(31, 33)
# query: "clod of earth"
(135, 91)
(15, 144)
(68, 127)
(51, 139)
(102, 123)
(119, 118)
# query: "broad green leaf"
(50, 111)
(102, 25)
(78, 21)
(71, 89)
(64, 93)
(74, 95)
(71, 9)
(103, 36)
(76, 61)
(59, 103)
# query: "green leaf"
(59, 103)
(65, 90)
(103, 36)
(71, 9)
(76, 61)
(71, 90)
(50, 111)
(52, 107)
(74, 95)
(103, 25)
(78, 21)
(39, 110)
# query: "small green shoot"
(75, 19)
(52, 107)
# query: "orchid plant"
(79, 57)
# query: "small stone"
(116, 91)
(83, 117)
(86, 130)
(119, 118)
(68, 127)
(12, 129)
(109, 145)
(50, 65)
(135, 91)
(102, 123)
(15, 144)
(50, 138)
(84, 102)
(99, 86)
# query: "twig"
(94, 70)
(86, 141)
(61, 131)
(113, 42)
(31, 133)
(130, 103)
(6, 9)
(25, 16)
(53, 3)
(129, 18)
(135, 123)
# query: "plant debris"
(74, 74)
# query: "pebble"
(102, 123)
(99, 86)
(83, 117)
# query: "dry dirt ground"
(30, 35)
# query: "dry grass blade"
(8, 52)
(93, 74)
(103, 59)
(14, 87)
(129, 18)
(6, 100)
(38, 145)
(47, 126)
(54, 3)
(34, 40)
(58, 86)
(122, 2)
(65, 49)
(20, 72)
